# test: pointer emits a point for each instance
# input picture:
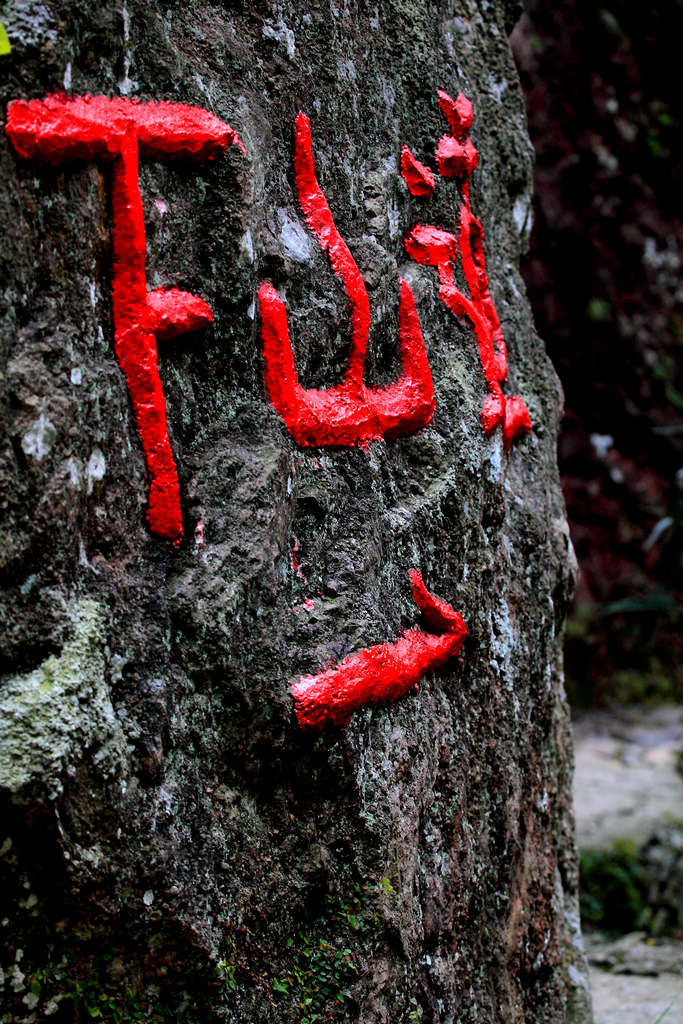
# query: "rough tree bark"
(174, 846)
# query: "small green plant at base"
(226, 973)
(613, 891)
(415, 1014)
(322, 963)
(84, 988)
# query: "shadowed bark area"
(174, 846)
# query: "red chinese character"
(61, 128)
(457, 158)
(350, 413)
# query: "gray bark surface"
(172, 845)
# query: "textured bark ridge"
(174, 846)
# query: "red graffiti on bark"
(456, 157)
(350, 413)
(61, 128)
(419, 179)
(431, 246)
(296, 568)
(383, 673)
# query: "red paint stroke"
(418, 178)
(459, 113)
(60, 128)
(455, 159)
(517, 420)
(296, 568)
(383, 673)
(172, 312)
(433, 247)
(349, 413)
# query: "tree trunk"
(187, 550)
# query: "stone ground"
(626, 784)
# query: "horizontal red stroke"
(350, 413)
(383, 673)
(60, 128)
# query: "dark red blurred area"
(603, 94)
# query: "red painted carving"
(457, 158)
(459, 113)
(350, 413)
(385, 672)
(296, 568)
(61, 128)
(419, 179)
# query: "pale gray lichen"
(39, 438)
(52, 715)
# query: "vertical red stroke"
(60, 128)
(384, 673)
(349, 413)
(319, 219)
(457, 158)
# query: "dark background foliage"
(602, 87)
